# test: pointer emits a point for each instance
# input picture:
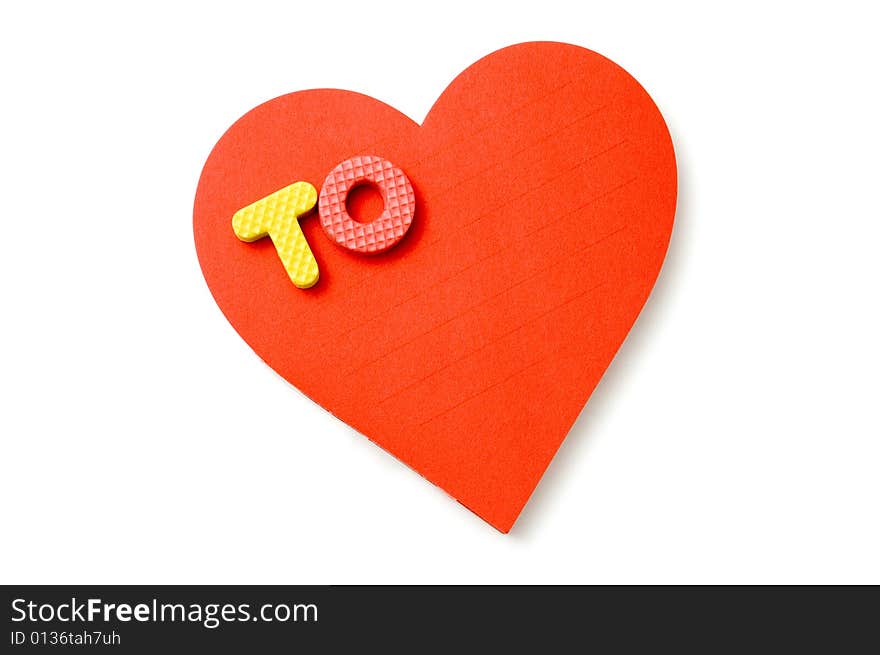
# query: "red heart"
(545, 182)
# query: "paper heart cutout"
(545, 185)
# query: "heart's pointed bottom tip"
(503, 525)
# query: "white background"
(735, 437)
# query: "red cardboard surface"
(545, 186)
